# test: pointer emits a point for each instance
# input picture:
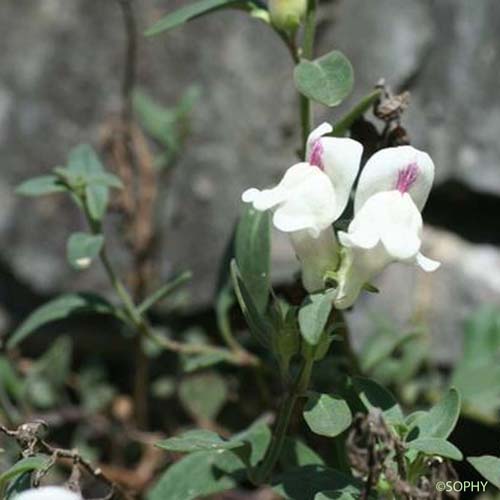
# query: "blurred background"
(60, 78)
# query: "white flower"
(48, 493)
(387, 224)
(310, 197)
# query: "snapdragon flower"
(310, 197)
(387, 224)
(48, 493)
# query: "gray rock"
(60, 80)
(441, 301)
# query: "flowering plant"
(312, 420)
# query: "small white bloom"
(48, 493)
(403, 168)
(310, 197)
(387, 224)
(303, 200)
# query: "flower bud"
(286, 15)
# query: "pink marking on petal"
(407, 177)
(316, 156)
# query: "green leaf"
(24, 465)
(48, 376)
(10, 380)
(191, 11)
(296, 453)
(164, 291)
(488, 466)
(344, 123)
(303, 483)
(203, 395)
(18, 485)
(327, 414)
(253, 254)
(105, 179)
(84, 162)
(373, 395)
(199, 440)
(83, 248)
(168, 126)
(63, 307)
(379, 346)
(96, 199)
(39, 186)
(196, 476)
(477, 374)
(257, 437)
(207, 472)
(440, 420)
(196, 362)
(334, 495)
(259, 326)
(314, 314)
(436, 446)
(327, 80)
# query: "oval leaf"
(326, 414)
(196, 476)
(436, 446)
(203, 395)
(83, 248)
(38, 186)
(327, 80)
(96, 198)
(57, 309)
(192, 11)
(305, 482)
(258, 325)
(440, 420)
(199, 440)
(373, 395)
(334, 495)
(253, 254)
(25, 465)
(488, 466)
(313, 316)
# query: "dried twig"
(30, 437)
(373, 448)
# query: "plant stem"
(308, 53)
(138, 322)
(346, 121)
(285, 413)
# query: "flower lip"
(407, 177)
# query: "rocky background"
(60, 81)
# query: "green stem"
(285, 413)
(346, 121)
(309, 30)
(306, 118)
(138, 322)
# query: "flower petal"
(316, 255)
(304, 199)
(341, 160)
(402, 167)
(359, 266)
(362, 239)
(48, 493)
(428, 265)
(317, 133)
